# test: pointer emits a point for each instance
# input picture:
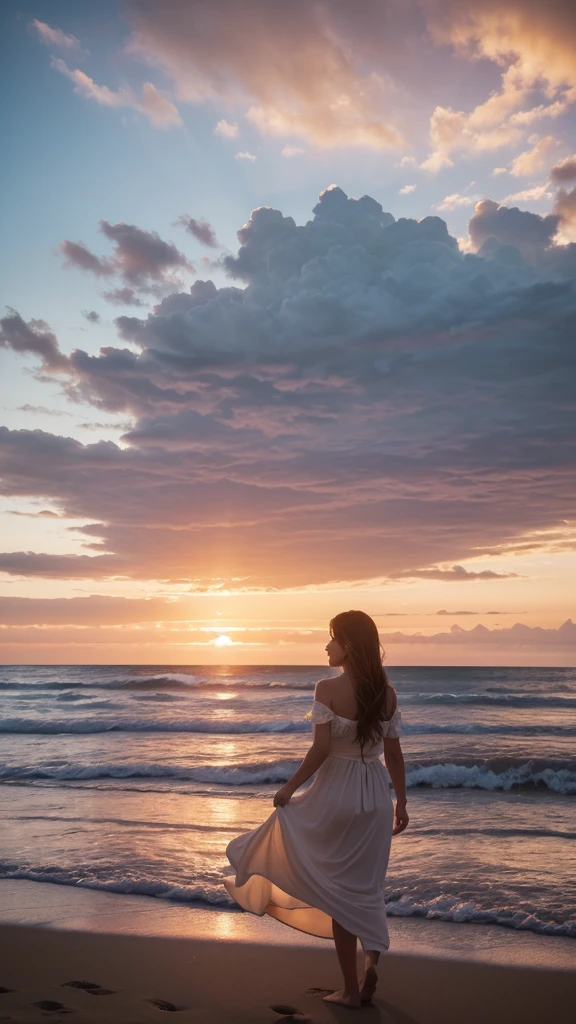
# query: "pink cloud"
(457, 574)
(200, 229)
(141, 259)
(54, 36)
(160, 112)
(291, 68)
(76, 254)
(534, 160)
(35, 337)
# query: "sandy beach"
(92, 956)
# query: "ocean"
(134, 779)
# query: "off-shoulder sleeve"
(320, 713)
(395, 729)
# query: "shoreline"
(198, 906)
(26, 903)
(139, 949)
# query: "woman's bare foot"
(368, 985)
(342, 998)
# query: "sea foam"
(210, 892)
(441, 775)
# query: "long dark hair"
(357, 633)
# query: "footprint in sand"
(51, 1006)
(80, 984)
(163, 1004)
(90, 987)
(290, 1015)
(294, 1018)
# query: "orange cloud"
(536, 46)
(291, 67)
(539, 38)
(534, 160)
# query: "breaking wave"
(228, 726)
(209, 891)
(508, 700)
(81, 726)
(493, 775)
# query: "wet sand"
(134, 959)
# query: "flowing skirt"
(322, 856)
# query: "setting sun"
(222, 641)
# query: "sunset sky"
(289, 312)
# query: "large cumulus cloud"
(362, 401)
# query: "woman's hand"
(401, 819)
(282, 797)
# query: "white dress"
(325, 854)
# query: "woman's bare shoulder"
(328, 691)
(323, 685)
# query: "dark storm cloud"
(200, 229)
(371, 403)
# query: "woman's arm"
(395, 764)
(314, 758)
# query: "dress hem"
(256, 874)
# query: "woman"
(319, 862)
